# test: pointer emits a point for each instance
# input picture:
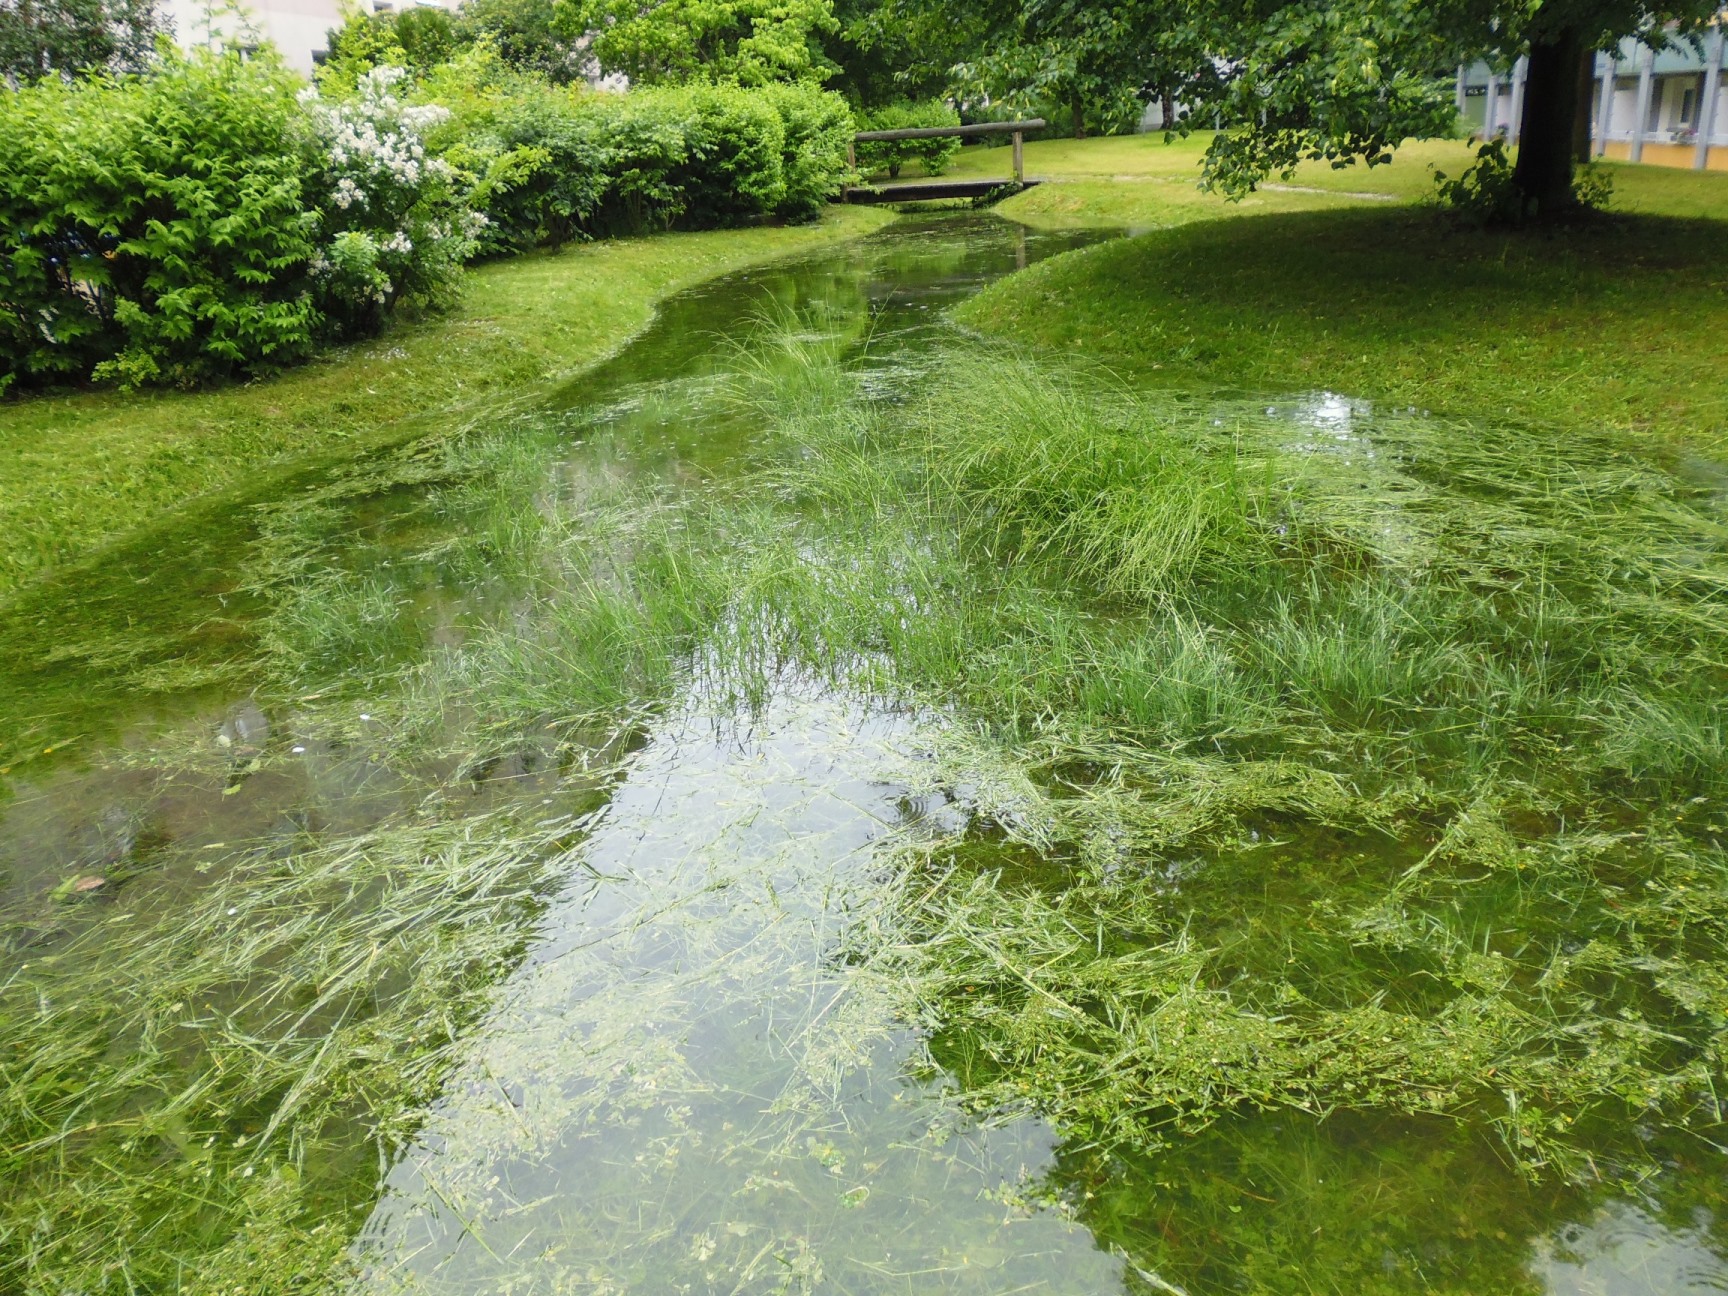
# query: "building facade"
(299, 29)
(1668, 107)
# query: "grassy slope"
(1140, 181)
(1617, 327)
(81, 469)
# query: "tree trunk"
(1168, 104)
(1586, 100)
(1079, 111)
(1543, 174)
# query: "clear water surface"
(685, 1087)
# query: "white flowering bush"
(393, 226)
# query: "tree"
(881, 58)
(1302, 79)
(750, 42)
(38, 37)
(524, 34)
(1339, 80)
(426, 35)
(364, 41)
(1104, 60)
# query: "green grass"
(1320, 761)
(1369, 768)
(1613, 327)
(201, 1081)
(79, 470)
(1331, 751)
(1140, 182)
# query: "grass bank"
(1610, 327)
(79, 470)
(1140, 182)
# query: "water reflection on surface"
(1622, 1251)
(152, 773)
(681, 1091)
(685, 1088)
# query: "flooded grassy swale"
(827, 804)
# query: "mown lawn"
(1140, 182)
(79, 469)
(1615, 326)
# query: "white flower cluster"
(393, 221)
(377, 135)
(348, 194)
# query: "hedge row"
(549, 164)
(218, 218)
(876, 156)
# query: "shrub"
(419, 39)
(734, 168)
(890, 155)
(549, 164)
(818, 128)
(392, 228)
(208, 221)
(1486, 194)
(364, 41)
(707, 155)
(154, 229)
(522, 32)
(202, 222)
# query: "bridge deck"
(931, 190)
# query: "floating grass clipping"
(1375, 766)
(197, 1095)
(1527, 984)
(1367, 763)
(1372, 765)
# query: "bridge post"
(1019, 157)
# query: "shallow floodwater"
(84, 784)
(683, 1090)
(688, 1085)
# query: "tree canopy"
(751, 42)
(1346, 81)
(1300, 80)
(524, 34)
(38, 37)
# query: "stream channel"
(680, 1086)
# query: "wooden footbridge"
(928, 190)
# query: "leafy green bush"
(153, 228)
(522, 32)
(818, 128)
(205, 221)
(890, 155)
(392, 227)
(676, 42)
(548, 164)
(1486, 193)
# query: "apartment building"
(1668, 107)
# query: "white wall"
(1666, 92)
(295, 27)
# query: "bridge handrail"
(937, 132)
